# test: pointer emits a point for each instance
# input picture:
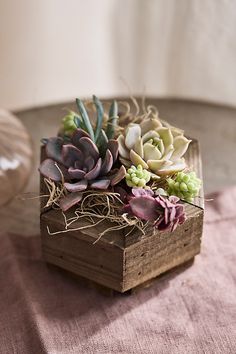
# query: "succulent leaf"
(118, 176)
(144, 207)
(77, 135)
(49, 170)
(95, 172)
(85, 118)
(76, 173)
(79, 122)
(102, 142)
(77, 187)
(112, 121)
(89, 147)
(113, 146)
(100, 114)
(70, 200)
(107, 163)
(70, 154)
(54, 148)
(100, 184)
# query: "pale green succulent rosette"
(157, 148)
(137, 177)
(186, 186)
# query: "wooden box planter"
(122, 262)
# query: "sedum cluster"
(137, 176)
(69, 123)
(186, 186)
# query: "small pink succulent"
(165, 212)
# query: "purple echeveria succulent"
(165, 212)
(78, 163)
(173, 213)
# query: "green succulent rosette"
(156, 147)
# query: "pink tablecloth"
(193, 311)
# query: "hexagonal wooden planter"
(122, 262)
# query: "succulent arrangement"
(141, 165)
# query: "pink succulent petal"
(100, 184)
(115, 179)
(172, 214)
(89, 148)
(166, 214)
(49, 169)
(113, 146)
(76, 173)
(94, 173)
(144, 207)
(161, 225)
(70, 200)
(173, 199)
(76, 187)
(54, 148)
(137, 192)
(174, 225)
(107, 163)
(179, 210)
(160, 202)
(71, 154)
(77, 135)
(169, 204)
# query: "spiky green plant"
(102, 132)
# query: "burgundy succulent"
(165, 212)
(79, 165)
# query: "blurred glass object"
(15, 157)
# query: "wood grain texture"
(123, 262)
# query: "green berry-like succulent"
(69, 124)
(186, 186)
(137, 176)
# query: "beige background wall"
(53, 50)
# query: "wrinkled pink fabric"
(186, 311)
